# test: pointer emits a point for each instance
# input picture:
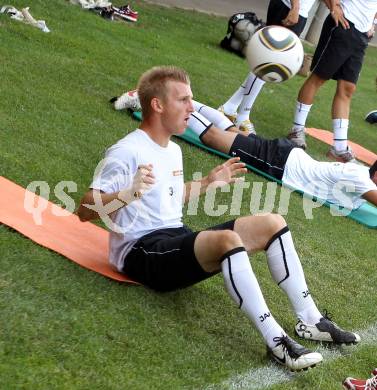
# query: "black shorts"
(164, 260)
(277, 11)
(268, 156)
(339, 54)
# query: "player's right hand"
(338, 16)
(141, 183)
(291, 19)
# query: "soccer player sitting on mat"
(347, 185)
(143, 175)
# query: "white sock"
(199, 124)
(340, 128)
(252, 88)
(231, 105)
(301, 113)
(286, 270)
(243, 287)
(215, 116)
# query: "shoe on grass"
(327, 331)
(126, 12)
(361, 384)
(292, 355)
(343, 156)
(129, 100)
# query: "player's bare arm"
(227, 173)
(95, 202)
(371, 196)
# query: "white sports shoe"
(129, 100)
(247, 127)
(292, 355)
(231, 117)
(327, 331)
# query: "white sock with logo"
(286, 270)
(199, 124)
(231, 105)
(252, 88)
(301, 114)
(340, 129)
(244, 289)
(215, 116)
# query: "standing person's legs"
(346, 77)
(303, 105)
(340, 114)
(327, 59)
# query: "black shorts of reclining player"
(268, 156)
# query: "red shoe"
(361, 384)
(126, 12)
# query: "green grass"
(62, 327)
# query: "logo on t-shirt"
(178, 172)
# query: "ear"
(156, 105)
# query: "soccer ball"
(274, 54)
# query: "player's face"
(177, 107)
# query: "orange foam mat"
(84, 243)
(326, 136)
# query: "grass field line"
(271, 374)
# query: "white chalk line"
(271, 374)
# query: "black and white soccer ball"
(371, 117)
(274, 54)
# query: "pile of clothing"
(107, 10)
(24, 16)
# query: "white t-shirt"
(360, 12)
(305, 6)
(159, 208)
(338, 183)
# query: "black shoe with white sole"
(292, 355)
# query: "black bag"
(241, 27)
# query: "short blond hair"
(153, 83)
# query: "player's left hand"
(291, 19)
(227, 173)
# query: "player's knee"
(346, 90)
(273, 223)
(228, 240)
